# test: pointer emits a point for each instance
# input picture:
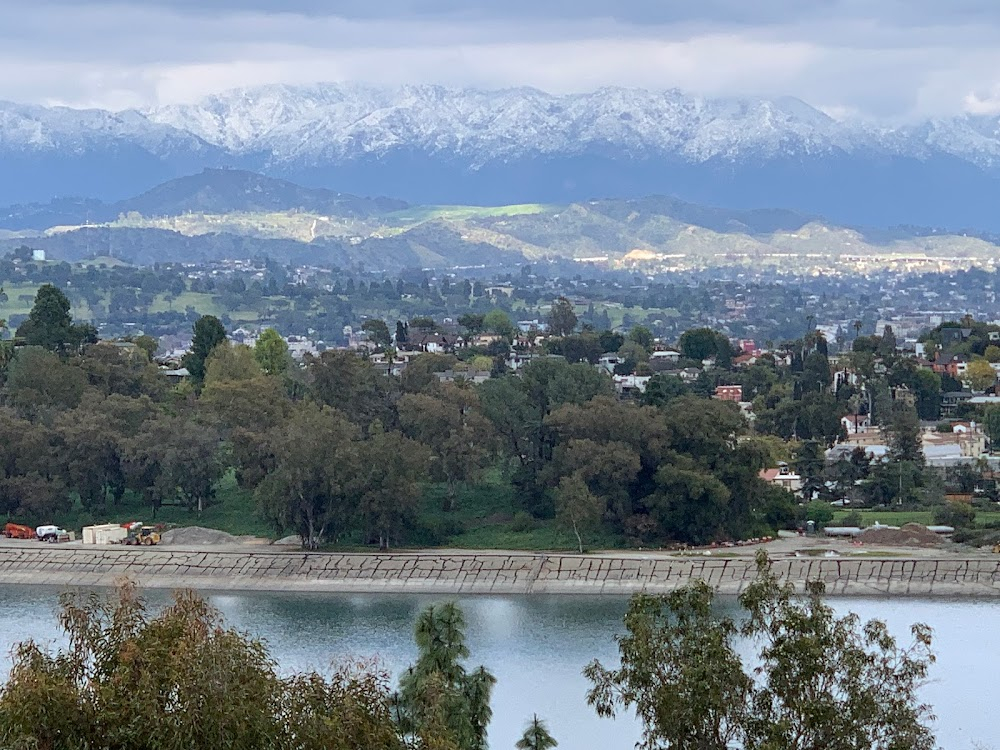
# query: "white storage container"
(108, 533)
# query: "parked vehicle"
(18, 531)
(51, 533)
(141, 535)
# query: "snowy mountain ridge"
(430, 144)
(343, 121)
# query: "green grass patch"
(486, 516)
(232, 511)
(420, 214)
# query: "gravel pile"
(197, 535)
(289, 541)
(909, 535)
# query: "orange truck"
(17, 531)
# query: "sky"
(890, 60)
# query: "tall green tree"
(208, 334)
(452, 425)
(438, 694)
(310, 489)
(536, 736)
(562, 318)
(50, 324)
(271, 352)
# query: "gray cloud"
(878, 58)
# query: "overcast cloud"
(890, 59)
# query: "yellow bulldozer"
(140, 535)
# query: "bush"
(523, 522)
(852, 519)
(958, 515)
(819, 512)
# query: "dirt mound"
(289, 541)
(197, 535)
(909, 535)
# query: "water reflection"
(537, 647)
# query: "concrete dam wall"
(481, 572)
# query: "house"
(608, 362)
(432, 342)
(732, 393)
(176, 376)
(783, 476)
(666, 355)
(952, 400)
(630, 386)
(856, 423)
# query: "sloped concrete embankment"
(479, 573)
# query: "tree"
(50, 325)
(815, 680)
(386, 483)
(904, 435)
(662, 389)
(231, 362)
(182, 459)
(498, 322)
(310, 489)
(351, 384)
(562, 319)
(577, 508)
(704, 343)
(536, 736)
(38, 379)
(378, 333)
(182, 679)
(271, 352)
(643, 337)
(453, 427)
(437, 695)
(208, 334)
(980, 375)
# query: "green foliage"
(498, 322)
(536, 736)
(704, 343)
(208, 334)
(271, 352)
(958, 515)
(438, 695)
(821, 513)
(814, 680)
(50, 325)
(562, 318)
(180, 678)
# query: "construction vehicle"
(18, 531)
(140, 535)
(50, 533)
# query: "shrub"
(523, 522)
(959, 515)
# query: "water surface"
(538, 645)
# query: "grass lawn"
(898, 518)
(484, 518)
(21, 298)
(419, 214)
(232, 511)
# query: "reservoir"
(538, 645)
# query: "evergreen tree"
(208, 334)
(536, 736)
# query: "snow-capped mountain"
(432, 144)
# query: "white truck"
(51, 533)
